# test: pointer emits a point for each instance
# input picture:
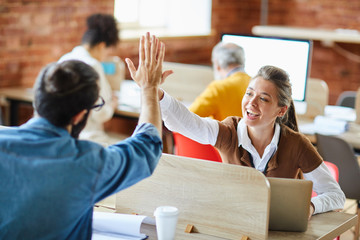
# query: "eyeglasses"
(97, 107)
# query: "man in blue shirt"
(50, 180)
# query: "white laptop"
(289, 204)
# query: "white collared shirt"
(244, 141)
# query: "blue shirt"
(50, 181)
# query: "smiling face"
(260, 105)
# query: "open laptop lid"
(289, 204)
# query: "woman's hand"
(312, 209)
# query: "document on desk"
(129, 96)
(107, 226)
(340, 113)
(325, 125)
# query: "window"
(163, 17)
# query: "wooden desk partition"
(221, 200)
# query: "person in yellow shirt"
(223, 97)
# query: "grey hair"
(226, 54)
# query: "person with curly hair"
(97, 42)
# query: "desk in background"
(16, 96)
(129, 99)
(352, 135)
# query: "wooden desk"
(16, 96)
(121, 112)
(322, 226)
(207, 195)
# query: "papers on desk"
(118, 226)
(325, 125)
(341, 113)
(129, 96)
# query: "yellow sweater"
(222, 98)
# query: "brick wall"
(339, 72)
(34, 33)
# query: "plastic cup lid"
(166, 211)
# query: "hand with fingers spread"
(149, 76)
(151, 57)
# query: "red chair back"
(333, 169)
(334, 172)
(188, 148)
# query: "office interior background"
(34, 33)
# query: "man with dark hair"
(49, 179)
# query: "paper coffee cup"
(166, 219)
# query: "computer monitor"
(292, 55)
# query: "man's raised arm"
(149, 76)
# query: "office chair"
(335, 173)
(188, 148)
(347, 99)
(339, 152)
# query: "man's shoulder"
(232, 80)
(239, 76)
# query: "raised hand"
(151, 57)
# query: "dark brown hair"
(101, 28)
(64, 89)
